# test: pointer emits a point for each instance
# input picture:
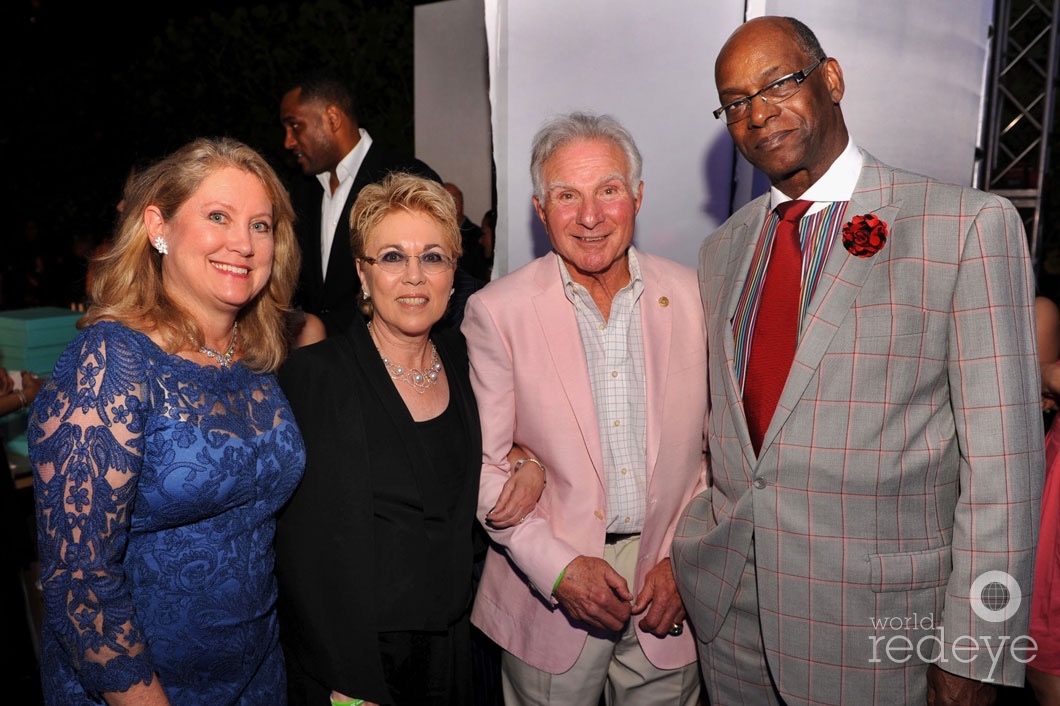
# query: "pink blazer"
(529, 376)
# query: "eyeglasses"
(395, 261)
(777, 91)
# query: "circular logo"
(995, 596)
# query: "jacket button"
(760, 483)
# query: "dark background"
(92, 91)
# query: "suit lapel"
(842, 279)
(309, 195)
(341, 255)
(656, 320)
(376, 375)
(735, 256)
(564, 343)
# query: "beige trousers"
(616, 668)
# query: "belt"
(616, 537)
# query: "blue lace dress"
(157, 482)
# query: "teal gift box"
(32, 339)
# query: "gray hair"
(563, 129)
(805, 39)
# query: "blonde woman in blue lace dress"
(162, 447)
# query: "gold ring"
(676, 629)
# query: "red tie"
(777, 325)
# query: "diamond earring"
(161, 245)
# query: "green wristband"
(558, 579)
(346, 702)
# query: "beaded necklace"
(420, 380)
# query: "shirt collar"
(347, 169)
(635, 279)
(836, 184)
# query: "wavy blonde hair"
(128, 283)
(401, 191)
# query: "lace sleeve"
(86, 448)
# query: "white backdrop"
(452, 104)
(914, 72)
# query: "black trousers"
(428, 668)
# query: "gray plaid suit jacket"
(903, 463)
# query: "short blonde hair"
(401, 191)
(128, 283)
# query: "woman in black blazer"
(374, 551)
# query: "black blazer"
(339, 389)
(333, 298)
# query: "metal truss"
(1020, 93)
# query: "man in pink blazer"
(591, 358)
(874, 544)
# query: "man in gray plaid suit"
(872, 539)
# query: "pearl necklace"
(225, 359)
(420, 380)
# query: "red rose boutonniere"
(864, 236)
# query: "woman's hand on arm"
(521, 491)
